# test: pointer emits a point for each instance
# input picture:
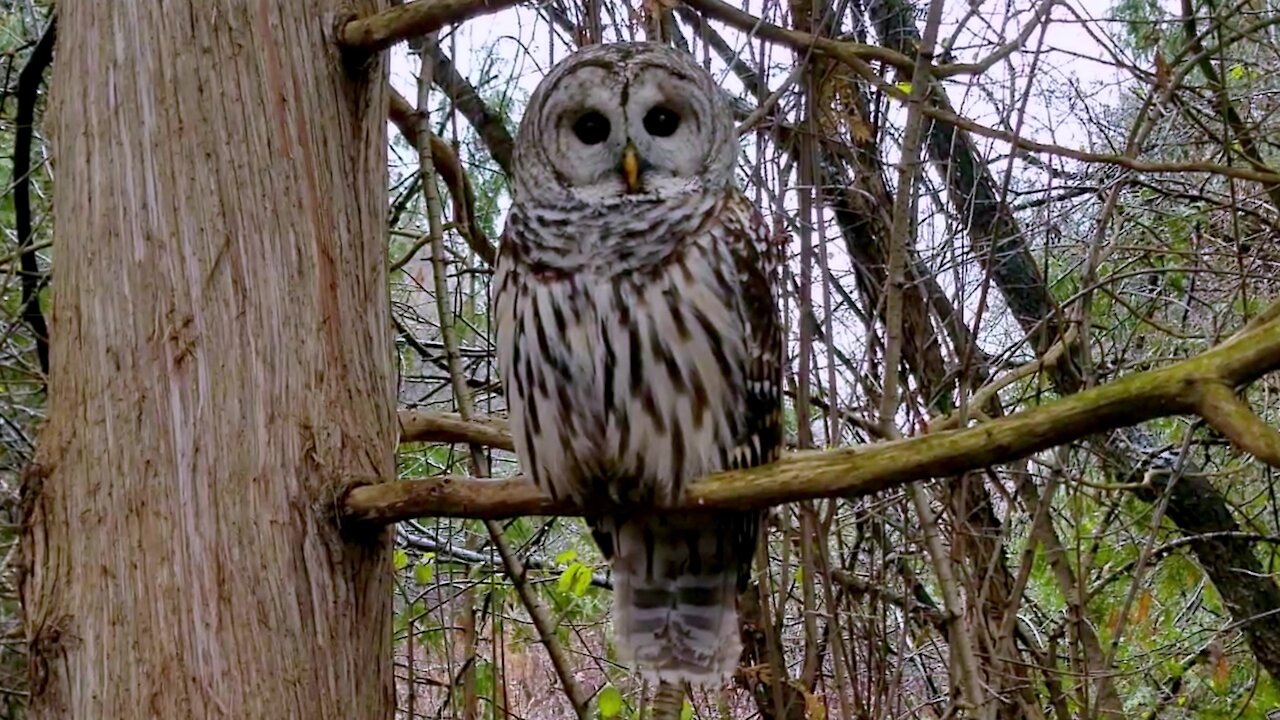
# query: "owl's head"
(625, 120)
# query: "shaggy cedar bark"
(220, 369)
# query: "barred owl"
(638, 338)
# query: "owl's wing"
(758, 257)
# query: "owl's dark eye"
(661, 121)
(592, 128)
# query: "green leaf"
(575, 579)
(423, 572)
(686, 712)
(567, 557)
(1236, 72)
(565, 582)
(905, 87)
(399, 559)
(609, 702)
(582, 582)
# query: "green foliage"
(609, 702)
(575, 580)
(425, 570)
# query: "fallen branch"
(413, 19)
(1182, 388)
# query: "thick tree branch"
(1231, 416)
(414, 19)
(1176, 389)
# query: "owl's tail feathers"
(675, 582)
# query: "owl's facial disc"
(642, 122)
(583, 137)
(666, 121)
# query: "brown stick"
(382, 30)
(438, 427)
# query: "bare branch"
(516, 570)
(422, 426)
(487, 124)
(856, 55)
(384, 29)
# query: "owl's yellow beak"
(631, 168)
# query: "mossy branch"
(1199, 385)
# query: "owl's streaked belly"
(627, 386)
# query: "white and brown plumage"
(638, 337)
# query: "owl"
(638, 338)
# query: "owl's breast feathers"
(636, 360)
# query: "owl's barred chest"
(628, 385)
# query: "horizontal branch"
(437, 427)
(449, 551)
(450, 496)
(412, 19)
(1189, 386)
(853, 53)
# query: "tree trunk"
(221, 369)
